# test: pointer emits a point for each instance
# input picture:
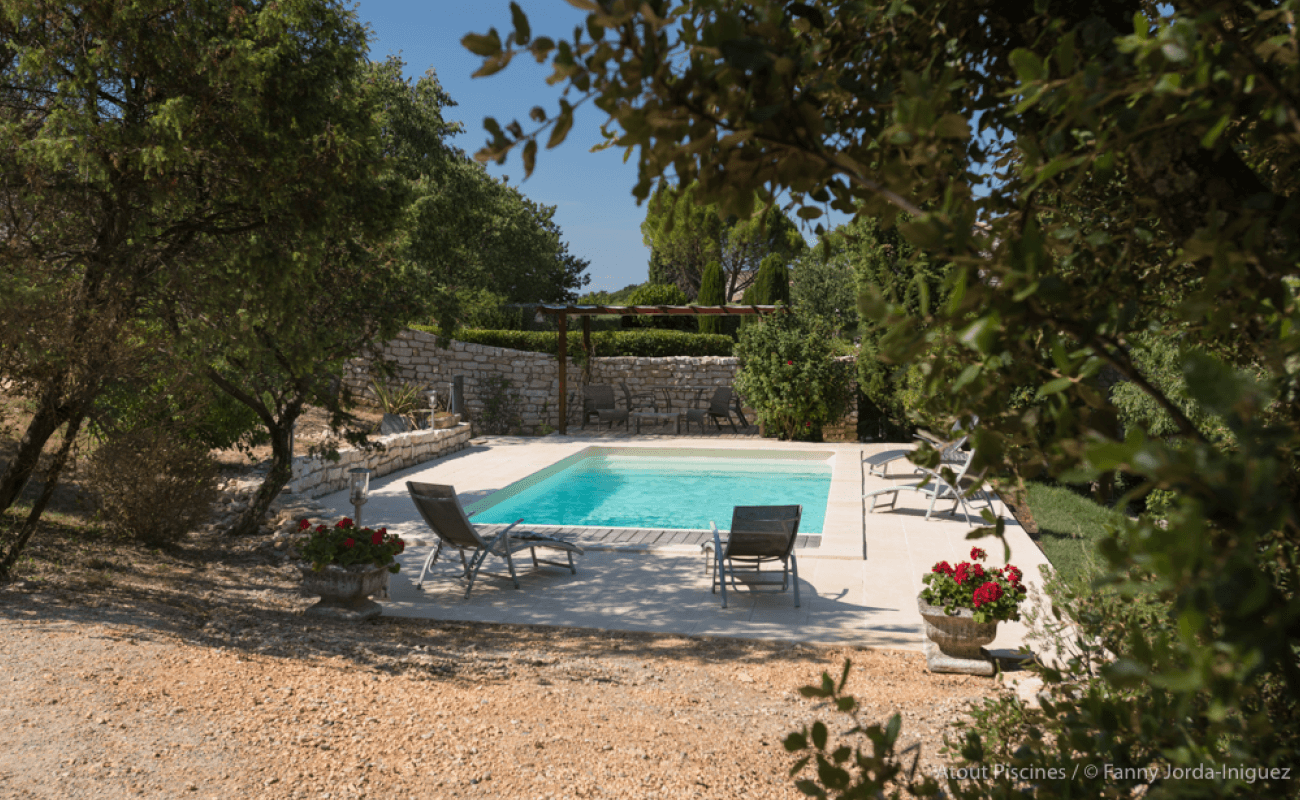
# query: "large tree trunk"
(277, 478)
(49, 418)
(38, 508)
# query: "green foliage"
(402, 400)
(660, 294)
(713, 292)
(147, 151)
(685, 235)
(346, 545)
(1085, 174)
(789, 376)
(151, 484)
(772, 285)
(502, 403)
(644, 343)
(846, 770)
(618, 298)
(822, 286)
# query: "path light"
(360, 488)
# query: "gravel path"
(195, 675)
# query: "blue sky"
(592, 192)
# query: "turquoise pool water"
(675, 488)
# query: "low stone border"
(317, 477)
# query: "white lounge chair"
(936, 487)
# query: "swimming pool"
(675, 488)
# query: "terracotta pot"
(956, 641)
(344, 591)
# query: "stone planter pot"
(344, 592)
(956, 643)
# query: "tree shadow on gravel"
(243, 597)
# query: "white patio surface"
(859, 587)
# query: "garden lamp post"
(360, 488)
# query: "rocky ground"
(190, 671)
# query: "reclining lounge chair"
(443, 512)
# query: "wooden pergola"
(587, 312)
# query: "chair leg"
(533, 550)
(476, 561)
(572, 568)
(428, 562)
(510, 562)
(794, 565)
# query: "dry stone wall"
(317, 477)
(418, 360)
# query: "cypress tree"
(712, 293)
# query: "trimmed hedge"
(643, 343)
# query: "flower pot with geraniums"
(962, 607)
(345, 565)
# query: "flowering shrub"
(345, 545)
(789, 376)
(993, 594)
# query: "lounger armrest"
(503, 536)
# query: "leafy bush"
(502, 403)
(643, 343)
(789, 375)
(152, 485)
(660, 294)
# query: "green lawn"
(1069, 527)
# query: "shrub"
(152, 485)
(660, 294)
(643, 343)
(501, 406)
(789, 375)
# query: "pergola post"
(586, 312)
(564, 362)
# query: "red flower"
(977, 570)
(789, 363)
(990, 592)
(344, 523)
(961, 573)
(977, 554)
(303, 524)
(401, 545)
(943, 568)
(377, 537)
(348, 543)
(321, 528)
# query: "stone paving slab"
(858, 580)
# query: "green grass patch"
(1070, 527)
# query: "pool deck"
(858, 581)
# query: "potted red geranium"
(962, 606)
(345, 565)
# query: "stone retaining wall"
(534, 375)
(317, 477)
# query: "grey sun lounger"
(444, 514)
(758, 535)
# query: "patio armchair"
(638, 400)
(759, 535)
(936, 487)
(719, 408)
(445, 515)
(598, 401)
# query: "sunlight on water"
(649, 491)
